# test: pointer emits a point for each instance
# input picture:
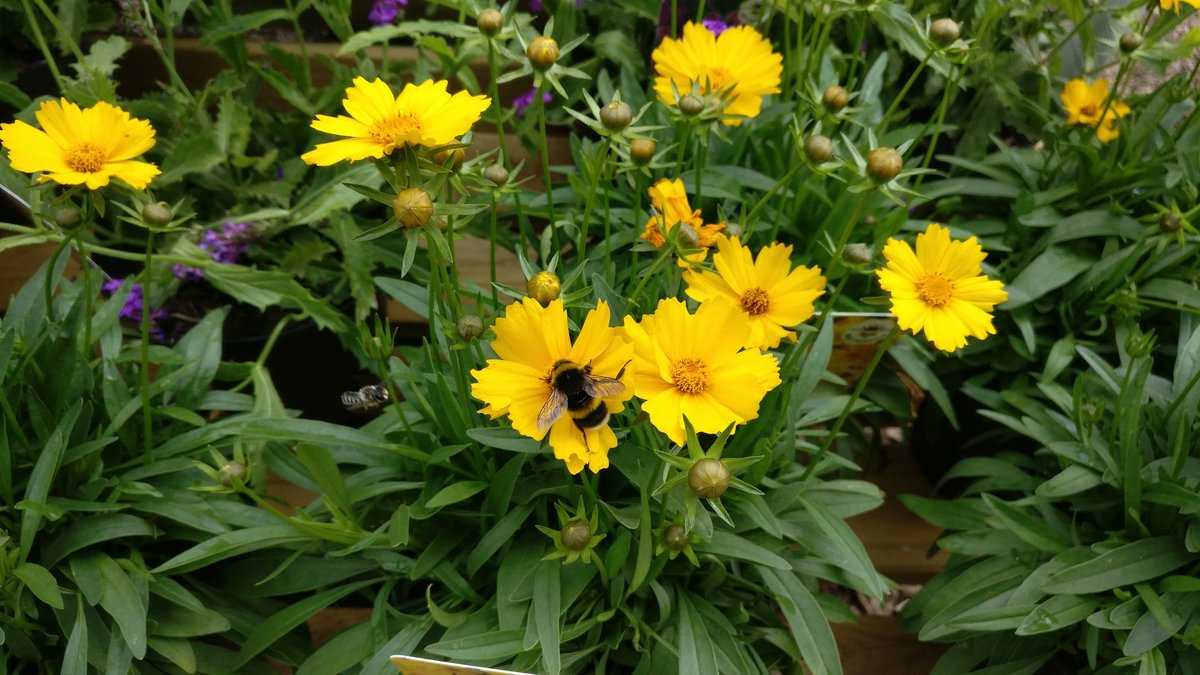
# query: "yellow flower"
(693, 365)
(939, 289)
(670, 200)
(1173, 5)
(771, 294)
(530, 340)
(423, 114)
(739, 60)
(81, 147)
(1085, 103)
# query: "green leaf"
(547, 605)
(844, 549)
(1149, 631)
(696, 655)
(1057, 612)
(263, 289)
(341, 653)
(231, 544)
(1138, 561)
(494, 645)
(805, 621)
(121, 600)
(282, 622)
(42, 476)
(175, 650)
(500, 534)
(324, 471)
(504, 438)
(455, 493)
(41, 583)
(384, 34)
(1030, 529)
(86, 532)
(1068, 482)
(729, 545)
(948, 514)
(1053, 268)
(75, 655)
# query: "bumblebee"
(576, 390)
(369, 399)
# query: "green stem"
(492, 234)
(701, 158)
(147, 279)
(581, 247)
(941, 118)
(849, 407)
(42, 46)
(662, 257)
(1058, 44)
(787, 177)
(903, 92)
(683, 143)
(836, 260)
(299, 37)
(545, 153)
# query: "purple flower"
(132, 309)
(715, 25)
(224, 245)
(535, 5)
(384, 12)
(525, 100)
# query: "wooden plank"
(876, 645)
(17, 265)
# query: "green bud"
(884, 164)
(1170, 222)
(496, 173)
(818, 149)
(1130, 42)
(542, 52)
(490, 21)
(69, 218)
(616, 116)
(691, 105)
(676, 537)
(413, 207)
(575, 535)
(944, 32)
(641, 150)
(835, 98)
(157, 214)
(469, 326)
(708, 478)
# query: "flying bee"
(368, 399)
(575, 389)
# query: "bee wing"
(598, 386)
(555, 405)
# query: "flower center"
(935, 289)
(85, 158)
(395, 129)
(716, 79)
(1089, 110)
(691, 376)
(755, 301)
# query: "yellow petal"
(348, 149)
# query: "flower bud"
(231, 472)
(708, 478)
(413, 207)
(944, 32)
(496, 173)
(490, 21)
(68, 218)
(870, 221)
(641, 150)
(616, 115)
(543, 287)
(1139, 344)
(1170, 222)
(575, 535)
(884, 164)
(542, 52)
(818, 149)
(835, 98)
(857, 254)
(691, 105)
(469, 327)
(1130, 41)
(734, 230)
(676, 537)
(157, 214)
(455, 156)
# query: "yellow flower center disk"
(1088, 110)
(716, 79)
(935, 289)
(395, 129)
(691, 376)
(755, 301)
(85, 158)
